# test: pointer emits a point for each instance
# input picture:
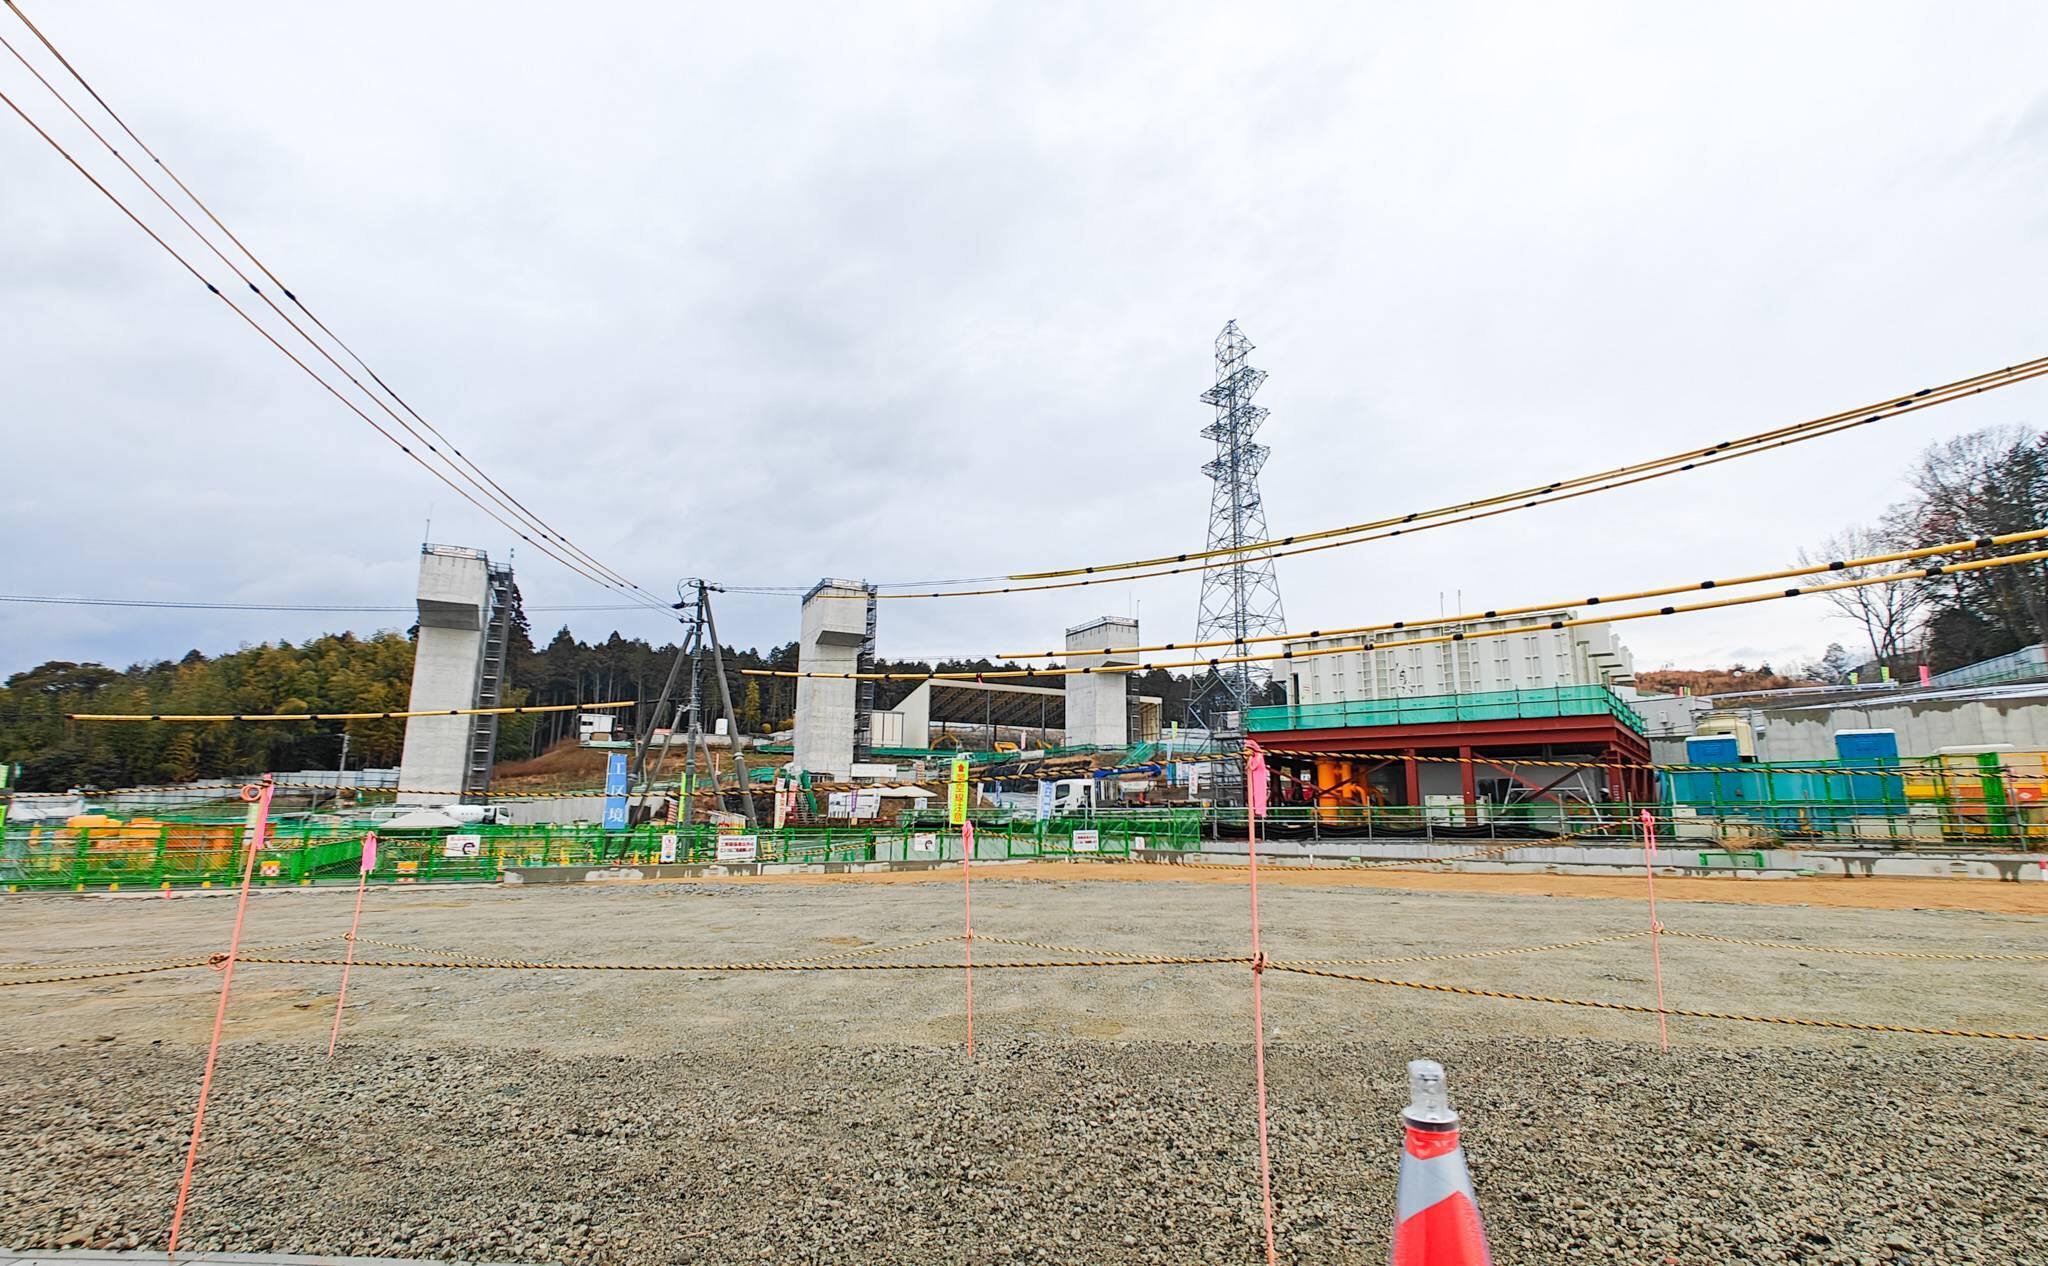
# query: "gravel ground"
(1055, 1152)
(700, 1117)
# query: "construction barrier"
(107, 853)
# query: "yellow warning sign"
(956, 793)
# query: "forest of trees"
(346, 673)
(339, 673)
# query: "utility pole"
(732, 723)
(689, 716)
(341, 769)
(643, 769)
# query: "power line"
(501, 500)
(590, 569)
(1758, 439)
(168, 605)
(495, 490)
(1975, 385)
(1811, 569)
(1891, 578)
(303, 366)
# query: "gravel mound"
(1889, 1151)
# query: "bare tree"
(1888, 614)
(1988, 483)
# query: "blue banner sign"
(615, 785)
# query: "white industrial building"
(1588, 655)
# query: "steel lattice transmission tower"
(1242, 599)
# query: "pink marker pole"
(1256, 792)
(349, 958)
(967, 902)
(258, 795)
(1656, 956)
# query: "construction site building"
(1484, 714)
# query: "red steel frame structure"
(1490, 744)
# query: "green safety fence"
(154, 854)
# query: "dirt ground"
(1105, 1118)
(1120, 910)
(1845, 894)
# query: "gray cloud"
(929, 291)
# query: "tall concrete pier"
(837, 629)
(1098, 711)
(447, 669)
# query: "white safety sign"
(738, 848)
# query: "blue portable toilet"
(1878, 749)
(1713, 792)
(1713, 749)
(1878, 745)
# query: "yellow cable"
(1899, 403)
(344, 716)
(1420, 521)
(1982, 564)
(1872, 560)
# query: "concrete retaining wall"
(1622, 859)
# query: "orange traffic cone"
(1436, 1216)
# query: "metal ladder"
(864, 691)
(490, 685)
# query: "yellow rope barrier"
(790, 966)
(1319, 968)
(1302, 967)
(1930, 955)
(156, 963)
(1641, 1009)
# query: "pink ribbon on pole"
(1255, 778)
(369, 851)
(967, 904)
(1656, 954)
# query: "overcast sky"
(927, 291)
